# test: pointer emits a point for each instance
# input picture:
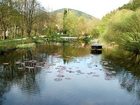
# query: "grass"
(24, 46)
(22, 43)
(8, 44)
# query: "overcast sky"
(97, 8)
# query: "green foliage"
(105, 20)
(124, 30)
(95, 33)
(7, 16)
(132, 5)
(70, 23)
(75, 23)
(21, 18)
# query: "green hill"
(77, 12)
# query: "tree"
(102, 26)
(6, 18)
(21, 17)
(64, 21)
(71, 22)
(132, 5)
(123, 29)
(33, 16)
(95, 33)
(29, 13)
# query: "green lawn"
(6, 44)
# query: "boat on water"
(96, 48)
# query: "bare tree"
(27, 8)
(29, 14)
(4, 18)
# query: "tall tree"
(123, 29)
(64, 21)
(5, 16)
(29, 13)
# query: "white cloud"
(97, 8)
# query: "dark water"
(65, 75)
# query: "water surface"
(65, 75)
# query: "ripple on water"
(60, 75)
(48, 71)
(58, 79)
(95, 75)
(70, 71)
(68, 78)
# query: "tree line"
(72, 24)
(20, 18)
(27, 18)
(122, 27)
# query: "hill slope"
(77, 12)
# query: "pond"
(65, 75)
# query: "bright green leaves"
(124, 29)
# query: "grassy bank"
(15, 43)
(31, 42)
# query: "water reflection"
(127, 71)
(14, 70)
(65, 75)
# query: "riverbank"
(13, 44)
(31, 42)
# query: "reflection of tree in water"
(65, 50)
(127, 70)
(70, 51)
(127, 81)
(4, 87)
(130, 82)
(5, 82)
(29, 84)
(124, 59)
(26, 82)
(29, 55)
(10, 74)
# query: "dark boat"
(96, 49)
